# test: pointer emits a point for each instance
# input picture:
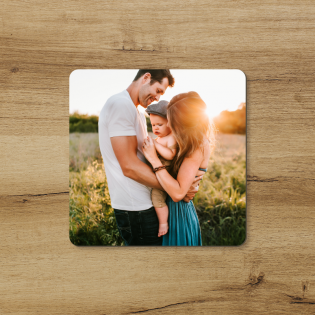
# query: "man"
(122, 130)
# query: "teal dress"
(183, 224)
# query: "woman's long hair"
(190, 125)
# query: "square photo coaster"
(157, 157)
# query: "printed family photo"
(157, 157)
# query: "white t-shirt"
(120, 117)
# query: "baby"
(166, 148)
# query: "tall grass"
(220, 202)
(83, 150)
(92, 219)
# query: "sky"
(220, 89)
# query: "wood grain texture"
(43, 42)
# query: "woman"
(192, 130)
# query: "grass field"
(220, 202)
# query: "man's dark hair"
(157, 75)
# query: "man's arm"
(125, 149)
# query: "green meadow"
(220, 202)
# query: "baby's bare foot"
(163, 228)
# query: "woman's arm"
(177, 189)
(166, 153)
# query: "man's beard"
(146, 102)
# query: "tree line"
(83, 123)
(227, 122)
(232, 121)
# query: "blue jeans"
(138, 228)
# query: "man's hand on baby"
(193, 189)
(196, 181)
(191, 195)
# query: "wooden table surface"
(41, 272)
